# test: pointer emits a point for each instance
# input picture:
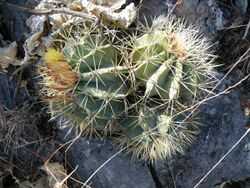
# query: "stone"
(15, 22)
(224, 125)
(11, 95)
(119, 172)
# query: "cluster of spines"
(156, 134)
(171, 64)
(98, 96)
(142, 85)
(169, 57)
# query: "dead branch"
(46, 11)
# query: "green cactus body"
(143, 88)
(158, 70)
(102, 89)
(166, 65)
(171, 63)
(154, 135)
(148, 45)
(77, 116)
(190, 80)
(100, 93)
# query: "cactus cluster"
(138, 85)
(171, 64)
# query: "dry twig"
(46, 11)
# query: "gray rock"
(151, 9)
(204, 14)
(22, 144)
(242, 5)
(225, 124)
(15, 22)
(10, 95)
(6, 94)
(119, 172)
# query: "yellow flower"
(52, 56)
(59, 74)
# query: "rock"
(225, 124)
(119, 172)
(242, 5)
(15, 22)
(151, 9)
(5, 92)
(10, 95)
(205, 14)
(22, 144)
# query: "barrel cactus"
(85, 80)
(156, 134)
(172, 65)
(171, 60)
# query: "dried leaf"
(122, 19)
(8, 56)
(245, 104)
(57, 20)
(56, 174)
(76, 6)
(25, 184)
(34, 44)
(113, 4)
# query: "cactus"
(157, 134)
(171, 60)
(96, 87)
(144, 88)
(171, 63)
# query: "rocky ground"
(29, 140)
